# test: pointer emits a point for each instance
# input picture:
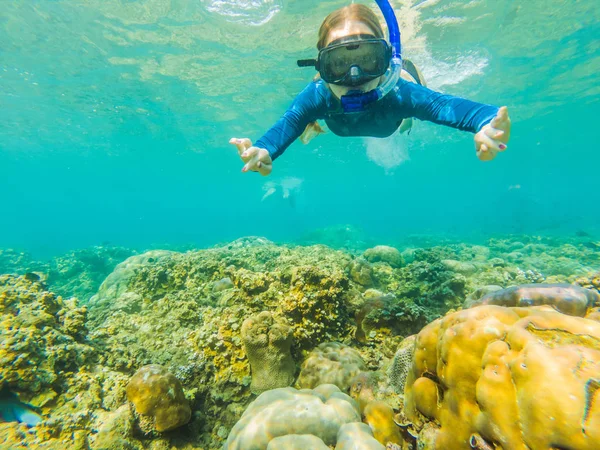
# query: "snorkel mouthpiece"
(353, 102)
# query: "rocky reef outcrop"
(414, 364)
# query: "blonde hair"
(355, 13)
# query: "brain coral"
(297, 442)
(509, 378)
(267, 344)
(385, 254)
(157, 393)
(330, 363)
(287, 411)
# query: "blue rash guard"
(380, 119)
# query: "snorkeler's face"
(350, 28)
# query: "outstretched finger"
(501, 120)
(241, 144)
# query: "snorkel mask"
(352, 60)
(355, 60)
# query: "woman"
(353, 59)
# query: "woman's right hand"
(256, 159)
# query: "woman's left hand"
(492, 138)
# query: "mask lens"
(336, 61)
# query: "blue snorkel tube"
(356, 102)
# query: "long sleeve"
(309, 105)
(425, 104)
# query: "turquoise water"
(115, 118)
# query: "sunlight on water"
(253, 12)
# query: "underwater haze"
(115, 117)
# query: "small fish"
(13, 410)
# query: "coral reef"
(589, 282)
(425, 289)
(16, 262)
(156, 393)
(186, 312)
(370, 386)
(81, 272)
(361, 272)
(42, 339)
(330, 363)
(48, 362)
(385, 254)
(286, 411)
(117, 283)
(382, 315)
(565, 298)
(196, 331)
(380, 418)
(267, 344)
(75, 274)
(515, 377)
(400, 366)
(357, 436)
(297, 442)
